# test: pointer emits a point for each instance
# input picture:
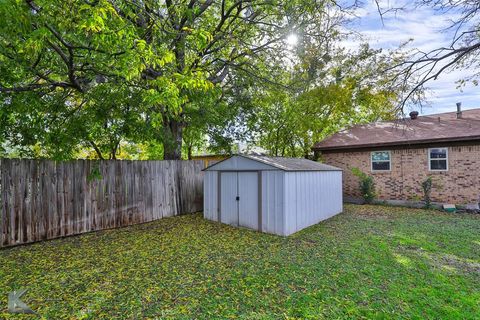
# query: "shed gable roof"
(285, 164)
(443, 127)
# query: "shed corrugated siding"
(273, 201)
(311, 197)
(210, 194)
(249, 202)
(229, 191)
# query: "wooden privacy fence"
(43, 199)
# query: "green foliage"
(427, 190)
(320, 98)
(94, 75)
(369, 262)
(367, 185)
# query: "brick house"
(401, 154)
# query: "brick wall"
(409, 167)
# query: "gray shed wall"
(210, 195)
(273, 201)
(311, 197)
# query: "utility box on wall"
(271, 194)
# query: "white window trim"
(389, 157)
(430, 163)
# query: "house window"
(438, 159)
(381, 161)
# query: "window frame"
(389, 161)
(430, 160)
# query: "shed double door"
(239, 199)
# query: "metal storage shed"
(271, 194)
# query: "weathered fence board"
(43, 199)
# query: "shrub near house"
(367, 185)
(400, 154)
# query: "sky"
(427, 29)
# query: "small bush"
(367, 185)
(427, 190)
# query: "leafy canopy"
(99, 75)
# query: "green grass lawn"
(368, 262)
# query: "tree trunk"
(97, 150)
(172, 146)
(190, 151)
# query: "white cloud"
(428, 30)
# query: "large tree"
(114, 70)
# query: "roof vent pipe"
(459, 110)
(413, 115)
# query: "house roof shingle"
(443, 127)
